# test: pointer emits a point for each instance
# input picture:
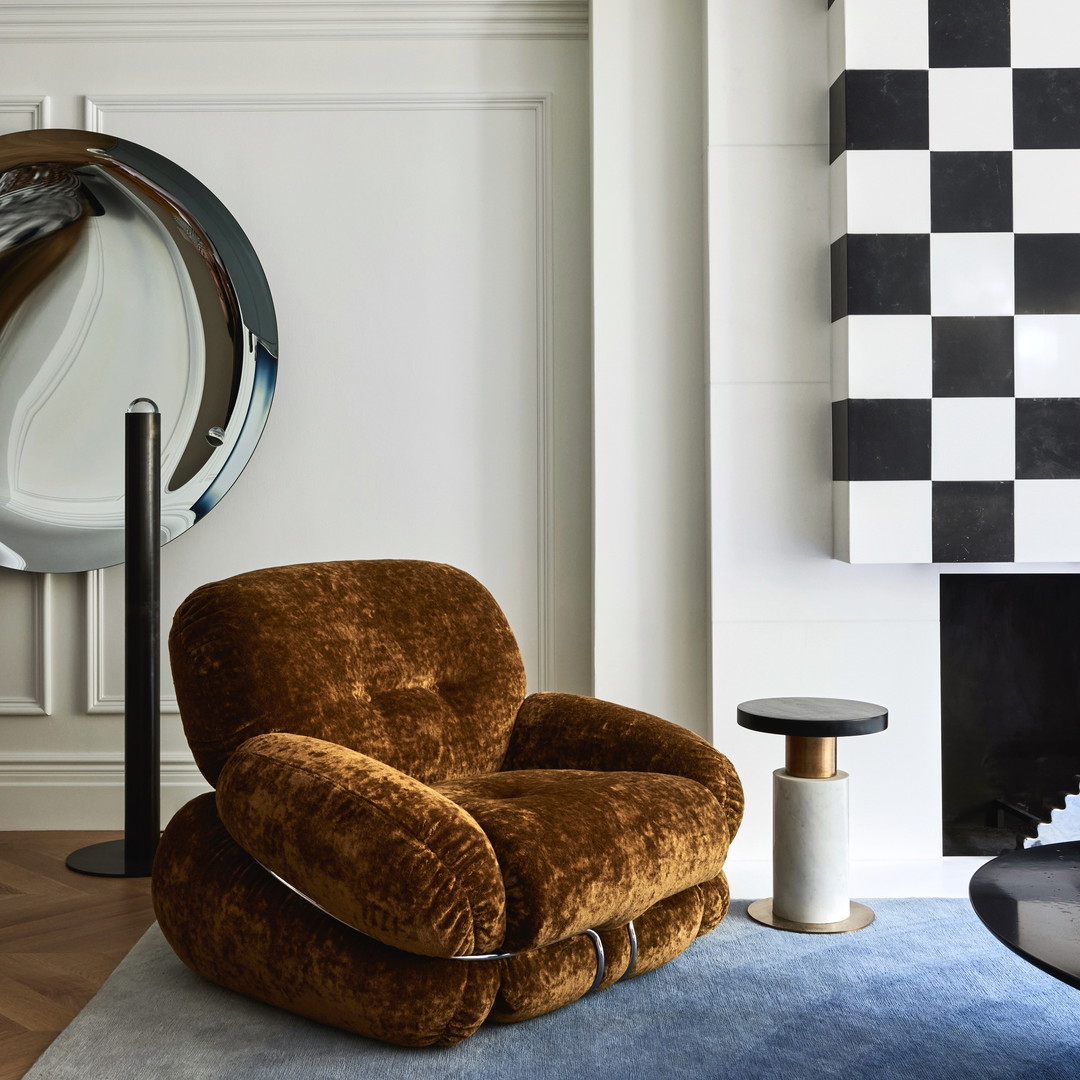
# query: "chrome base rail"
(593, 936)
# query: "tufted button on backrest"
(409, 662)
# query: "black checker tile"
(969, 33)
(972, 356)
(881, 274)
(1046, 108)
(972, 521)
(1047, 269)
(1048, 438)
(881, 439)
(879, 110)
(840, 457)
(971, 191)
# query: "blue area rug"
(925, 993)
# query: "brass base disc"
(761, 911)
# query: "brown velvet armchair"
(400, 842)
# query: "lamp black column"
(134, 855)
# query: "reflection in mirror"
(121, 276)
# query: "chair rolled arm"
(570, 731)
(377, 849)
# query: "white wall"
(416, 184)
(788, 619)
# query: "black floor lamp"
(134, 854)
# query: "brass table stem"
(810, 756)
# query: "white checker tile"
(973, 439)
(1045, 187)
(887, 356)
(1047, 520)
(971, 109)
(841, 337)
(841, 517)
(883, 191)
(1045, 33)
(878, 35)
(972, 274)
(1047, 355)
(837, 56)
(888, 521)
(838, 197)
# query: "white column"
(649, 388)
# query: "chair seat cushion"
(591, 850)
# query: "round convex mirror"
(121, 277)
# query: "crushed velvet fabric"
(566, 731)
(412, 663)
(590, 850)
(381, 851)
(366, 727)
(234, 924)
(715, 898)
(546, 979)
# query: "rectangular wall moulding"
(955, 250)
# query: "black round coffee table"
(810, 811)
(1030, 901)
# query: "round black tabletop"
(1030, 900)
(817, 717)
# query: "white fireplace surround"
(787, 619)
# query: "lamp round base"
(762, 911)
(110, 859)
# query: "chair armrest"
(377, 849)
(568, 731)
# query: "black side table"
(810, 812)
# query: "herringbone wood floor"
(61, 934)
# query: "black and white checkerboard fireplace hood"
(955, 238)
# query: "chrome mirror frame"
(121, 276)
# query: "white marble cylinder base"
(810, 848)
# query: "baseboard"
(83, 790)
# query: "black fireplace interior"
(1010, 705)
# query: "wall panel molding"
(545, 392)
(98, 698)
(96, 105)
(39, 702)
(96, 110)
(230, 20)
(35, 107)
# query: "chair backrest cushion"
(412, 663)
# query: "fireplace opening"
(1010, 707)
